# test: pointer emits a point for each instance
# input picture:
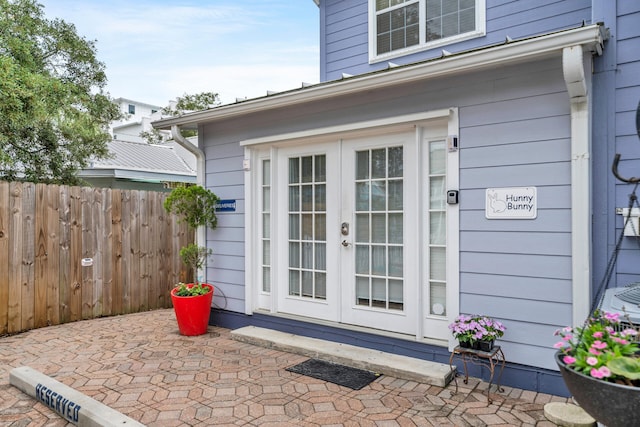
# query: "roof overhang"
(137, 175)
(590, 38)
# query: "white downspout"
(574, 77)
(201, 232)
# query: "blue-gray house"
(455, 158)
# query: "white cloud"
(155, 51)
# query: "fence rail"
(72, 253)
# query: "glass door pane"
(266, 229)
(379, 228)
(437, 221)
(307, 227)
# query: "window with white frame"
(266, 225)
(402, 26)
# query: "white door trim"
(254, 151)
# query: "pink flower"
(603, 372)
(567, 337)
(559, 344)
(599, 344)
(592, 361)
(595, 352)
(620, 341)
(598, 334)
(613, 317)
(569, 359)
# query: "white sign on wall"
(511, 203)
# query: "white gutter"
(201, 232)
(589, 37)
(573, 66)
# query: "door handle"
(346, 244)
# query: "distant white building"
(137, 118)
(135, 164)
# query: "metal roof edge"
(137, 174)
(511, 51)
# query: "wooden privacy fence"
(71, 253)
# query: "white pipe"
(195, 150)
(574, 77)
(201, 232)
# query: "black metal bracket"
(616, 159)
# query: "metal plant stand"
(491, 359)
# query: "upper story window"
(399, 27)
(132, 109)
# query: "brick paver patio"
(140, 365)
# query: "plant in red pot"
(192, 302)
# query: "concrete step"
(404, 367)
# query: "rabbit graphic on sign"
(496, 205)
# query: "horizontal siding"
(627, 76)
(518, 287)
(626, 97)
(549, 151)
(543, 355)
(627, 28)
(517, 265)
(525, 311)
(515, 270)
(510, 110)
(540, 129)
(225, 177)
(520, 19)
(345, 36)
(548, 221)
(518, 175)
(556, 244)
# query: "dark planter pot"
(464, 344)
(611, 404)
(192, 313)
(485, 345)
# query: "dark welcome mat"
(338, 374)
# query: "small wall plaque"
(511, 203)
(227, 205)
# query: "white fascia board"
(153, 176)
(590, 37)
(350, 127)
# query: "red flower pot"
(192, 313)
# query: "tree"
(194, 102)
(54, 111)
(184, 104)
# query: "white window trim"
(481, 25)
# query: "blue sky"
(157, 50)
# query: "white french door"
(378, 277)
(357, 230)
(307, 241)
